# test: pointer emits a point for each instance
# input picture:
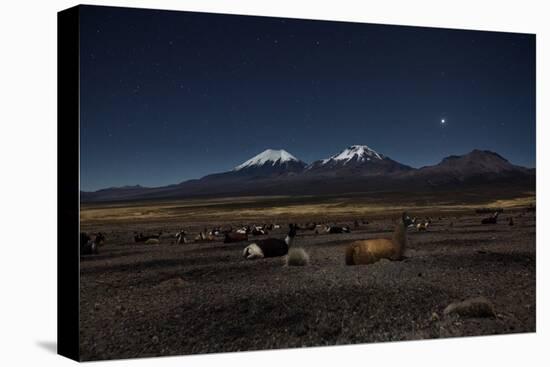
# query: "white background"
(28, 181)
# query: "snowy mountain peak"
(268, 156)
(359, 153)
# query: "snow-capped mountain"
(358, 160)
(270, 157)
(269, 163)
(355, 153)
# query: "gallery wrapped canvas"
(237, 183)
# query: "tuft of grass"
(473, 307)
(297, 257)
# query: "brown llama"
(364, 252)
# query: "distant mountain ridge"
(357, 168)
(476, 165)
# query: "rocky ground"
(141, 300)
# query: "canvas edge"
(68, 193)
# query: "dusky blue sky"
(169, 96)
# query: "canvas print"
(251, 183)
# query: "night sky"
(170, 96)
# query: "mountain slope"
(478, 165)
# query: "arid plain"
(142, 299)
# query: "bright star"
(442, 121)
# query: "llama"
(492, 219)
(181, 237)
(243, 230)
(336, 229)
(270, 247)
(258, 231)
(89, 245)
(204, 237)
(141, 238)
(99, 239)
(422, 226)
(364, 252)
(215, 232)
(219, 232)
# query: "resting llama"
(337, 229)
(144, 238)
(270, 247)
(422, 226)
(491, 220)
(364, 252)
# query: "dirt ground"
(140, 300)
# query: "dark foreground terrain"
(141, 300)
